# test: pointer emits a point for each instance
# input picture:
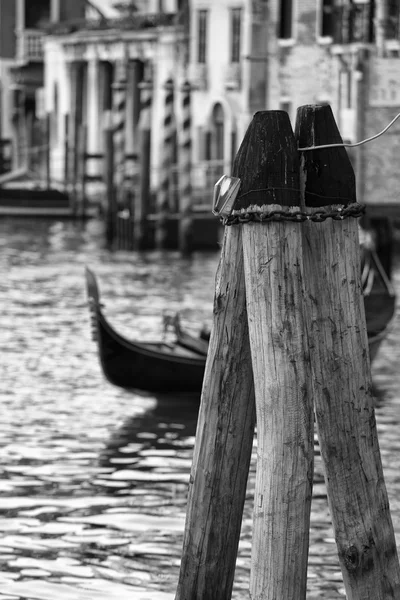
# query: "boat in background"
(162, 367)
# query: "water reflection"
(94, 478)
(153, 447)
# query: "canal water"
(94, 478)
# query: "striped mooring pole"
(163, 196)
(119, 125)
(185, 184)
(142, 199)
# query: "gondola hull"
(151, 367)
(168, 368)
(148, 367)
(379, 310)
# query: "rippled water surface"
(94, 478)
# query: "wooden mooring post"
(82, 139)
(66, 163)
(288, 314)
(119, 90)
(224, 437)
(47, 144)
(185, 235)
(163, 195)
(340, 365)
(141, 208)
(279, 347)
(110, 200)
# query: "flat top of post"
(267, 163)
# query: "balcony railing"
(30, 46)
(354, 24)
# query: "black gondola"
(147, 366)
(179, 367)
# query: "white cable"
(352, 145)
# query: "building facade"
(256, 55)
(228, 72)
(239, 56)
(344, 53)
(88, 67)
(22, 29)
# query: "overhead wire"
(349, 145)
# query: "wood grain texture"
(281, 368)
(265, 171)
(325, 186)
(224, 440)
(341, 376)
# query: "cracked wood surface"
(341, 373)
(281, 368)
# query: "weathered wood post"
(224, 435)
(82, 163)
(140, 238)
(185, 174)
(66, 152)
(340, 365)
(163, 196)
(272, 248)
(78, 81)
(47, 150)
(30, 150)
(119, 88)
(135, 75)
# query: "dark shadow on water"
(169, 426)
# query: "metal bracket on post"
(225, 192)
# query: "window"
(236, 17)
(327, 21)
(354, 22)
(54, 115)
(393, 19)
(107, 76)
(285, 19)
(218, 127)
(36, 13)
(345, 89)
(202, 16)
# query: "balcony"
(129, 22)
(354, 24)
(233, 76)
(29, 46)
(198, 76)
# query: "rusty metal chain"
(354, 210)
